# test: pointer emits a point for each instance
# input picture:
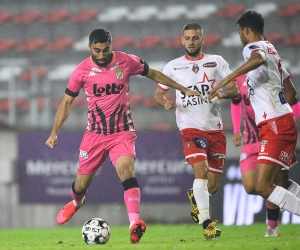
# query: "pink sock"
(273, 216)
(77, 198)
(132, 199)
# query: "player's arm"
(160, 99)
(257, 58)
(236, 116)
(61, 115)
(158, 76)
(232, 91)
(290, 92)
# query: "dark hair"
(100, 35)
(253, 20)
(192, 26)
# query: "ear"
(182, 41)
(89, 46)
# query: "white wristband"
(216, 98)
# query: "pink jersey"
(107, 91)
(250, 128)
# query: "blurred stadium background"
(41, 42)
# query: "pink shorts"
(204, 145)
(95, 148)
(248, 157)
(278, 139)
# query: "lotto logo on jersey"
(109, 89)
(200, 143)
(83, 154)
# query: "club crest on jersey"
(188, 143)
(119, 73)
(195, 68)
(83, 154)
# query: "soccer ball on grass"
(95, 231)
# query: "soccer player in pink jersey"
(104, 77)
(271, 93)
(241, 107)
(200, 123)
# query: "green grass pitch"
(173, 237)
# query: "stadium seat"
(149, 42)
(27, 75)
(231, 11)
(143, 13)
(121, 42)
(172, 12)
(23, 103)
(5, 16)
(135, 99)
(274, 37)
(290, 10)
(233, 40)
(32, 45)
(61, 72)
(113, 14)
(293, 40)
(201, 11)
(9, 72)
(82, 44)
(211, 39)
(174, 42)
(56, 16)
(28, 17)
(85, 15)
(265, 8)
(4, 105)
(7, 44)
(61, 44)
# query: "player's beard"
(195, 53)
(106, 61)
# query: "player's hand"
(169, 104)
(237, 139)
(52, 141)
(190, 92)
(212, 93)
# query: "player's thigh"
(201, 169)
(125, 167)
(248, 180)
(282, 179)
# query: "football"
(95, 231)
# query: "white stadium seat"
(143, 13)
(113, 14)
(201, 11)
(172, 12)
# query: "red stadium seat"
(211, 39)
(4, 105)
(61, 44)
(85, 15)
(231, 11)
(135, 99)
(22, 103)
(27, 74)
(274, 37)
(32, 45)
(174, 42)
(56, 16)
(28, 17)
(149, 42)
(289, 10)
(5, 16)
(122, 42)
(293, 40)
(7, 44)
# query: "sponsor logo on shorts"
(200, 142)
(83, 154)
(264, 142)
(243, 156)
(286, 157)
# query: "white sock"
(285, 200)
(201, 196)
(294, 188)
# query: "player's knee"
(249, 189)
(263, 190)
(212, 189)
